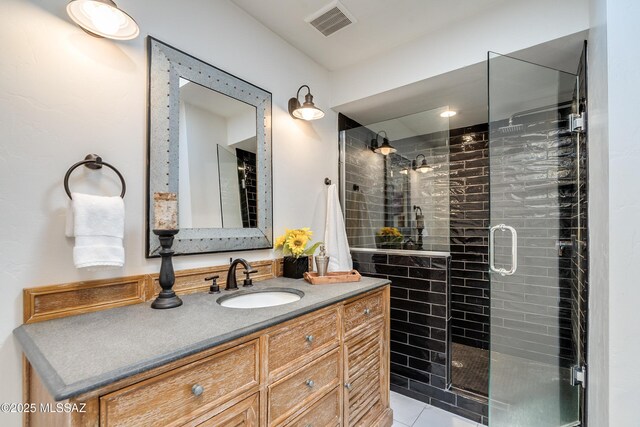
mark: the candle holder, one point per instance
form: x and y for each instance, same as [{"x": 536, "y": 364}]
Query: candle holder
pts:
[{"x": 167, "y": 297}]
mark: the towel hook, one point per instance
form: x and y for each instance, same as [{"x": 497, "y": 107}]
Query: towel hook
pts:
[
  {"x": 327, "y": 181},
  {"x": 93, "y": 161}
]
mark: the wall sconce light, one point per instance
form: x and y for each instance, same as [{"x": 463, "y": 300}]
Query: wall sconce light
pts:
[
  {"x": 385, "y": 149},
  {"x": 422, "y": 167},
  {"x": 102, "y": 18},
  {"x": 306, "y": 111}
]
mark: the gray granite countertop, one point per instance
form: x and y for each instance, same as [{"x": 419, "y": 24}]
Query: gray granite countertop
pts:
[{"x": 81, "y": 353}]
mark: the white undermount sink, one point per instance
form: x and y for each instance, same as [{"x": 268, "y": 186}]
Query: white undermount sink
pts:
[{"x": 261, "y": 298}]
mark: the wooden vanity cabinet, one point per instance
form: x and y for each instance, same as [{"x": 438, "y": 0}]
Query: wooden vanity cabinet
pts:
[{"x": 327, "y": 368}]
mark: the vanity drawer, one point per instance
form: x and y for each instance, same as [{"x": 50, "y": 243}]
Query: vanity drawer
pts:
[
  {"x": 324, "y": 413},
  {"x": 300, "y": 338},
  {"x": 294, "y": 391},
  {"x": 183, "y": 393},
  {"x": 243, "y": 414},
  {"x": 361, "y": 311}
]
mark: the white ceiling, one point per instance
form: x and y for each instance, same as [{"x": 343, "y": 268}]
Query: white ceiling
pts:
[
  {"x": 381, "y": 24},
  {"x": 465, "y": 90}
]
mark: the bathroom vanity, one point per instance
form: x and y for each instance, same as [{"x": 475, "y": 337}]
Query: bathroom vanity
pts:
[{"x": 319, "y": 361}]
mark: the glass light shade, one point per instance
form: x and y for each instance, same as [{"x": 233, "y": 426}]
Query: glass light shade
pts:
[
  {"x": 448, "y": 113},
  {"x": 103, "y": 18},
  {"x": 423, "y": 168},
  {"x": 307, "y": 112},
  {"x": 385, "y": 149}
]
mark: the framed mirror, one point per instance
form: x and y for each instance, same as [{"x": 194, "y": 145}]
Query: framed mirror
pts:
[{"x": 210, "y": 143}]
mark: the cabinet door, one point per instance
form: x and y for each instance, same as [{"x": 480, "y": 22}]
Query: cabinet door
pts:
[
  {"x": 365, "y": 376},
  {"x": 242, "y": 414}
]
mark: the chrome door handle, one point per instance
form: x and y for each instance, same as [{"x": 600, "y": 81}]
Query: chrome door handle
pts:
[{"x": 514, "y": 250}]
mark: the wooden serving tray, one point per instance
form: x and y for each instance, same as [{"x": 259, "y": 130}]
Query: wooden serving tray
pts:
[{"x": 333, "y": 277}]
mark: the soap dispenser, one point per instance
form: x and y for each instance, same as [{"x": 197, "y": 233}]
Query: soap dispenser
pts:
[{"x": 322, "y": 262}]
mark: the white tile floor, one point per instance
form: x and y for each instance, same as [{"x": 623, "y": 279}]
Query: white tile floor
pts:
[{"x": 408, "y": 412}]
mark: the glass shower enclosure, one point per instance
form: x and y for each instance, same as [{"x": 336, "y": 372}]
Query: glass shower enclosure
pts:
[
  {"x": 536, "y": 245},
  {"x": 397, "y": 199}
]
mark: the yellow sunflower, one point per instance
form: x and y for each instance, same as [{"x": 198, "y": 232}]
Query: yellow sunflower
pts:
[
  {"x": 306, "y": 231},
  {"x": 280, "y": 241},
  {"x": 297, "y": 243}
]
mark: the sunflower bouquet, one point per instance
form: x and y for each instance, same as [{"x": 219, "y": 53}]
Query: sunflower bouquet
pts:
[
  {"x": 294, "y": 243},
  {"x": 389, "y": 237}
]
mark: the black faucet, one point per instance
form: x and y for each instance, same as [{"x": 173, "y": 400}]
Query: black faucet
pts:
[{"x": 232, "y": 284}]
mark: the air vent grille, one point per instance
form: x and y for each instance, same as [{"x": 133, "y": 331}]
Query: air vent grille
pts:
[{"x": 332, "y": 20}]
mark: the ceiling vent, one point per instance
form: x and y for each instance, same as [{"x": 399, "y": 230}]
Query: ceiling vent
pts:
[{"x": 331, "y": 18}]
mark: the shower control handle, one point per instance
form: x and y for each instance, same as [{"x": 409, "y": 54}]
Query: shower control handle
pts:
[{"x": 514, "y": 250}]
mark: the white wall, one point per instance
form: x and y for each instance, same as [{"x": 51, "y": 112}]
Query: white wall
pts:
[
  {"x": 617, "y": 125},
  {"x": 64, "y": 94},
  {"x": 509, "y": 26},
  {"x": 241, "y": 127},
  {"x": 598, "y": 340},
  {"x": 614, "y": 335},
  {"x": 204, "y": 131}
]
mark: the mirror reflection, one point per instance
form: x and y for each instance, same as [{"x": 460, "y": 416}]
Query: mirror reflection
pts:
[{"x": 217, "y": 159}]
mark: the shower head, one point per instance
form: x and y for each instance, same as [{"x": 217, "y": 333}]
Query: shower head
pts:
[{"x": 511, "y": 128}]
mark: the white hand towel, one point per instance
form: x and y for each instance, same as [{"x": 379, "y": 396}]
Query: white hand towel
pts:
[
  {"x": 335, "y": 234},
  {"x": 97, "y": 223}
]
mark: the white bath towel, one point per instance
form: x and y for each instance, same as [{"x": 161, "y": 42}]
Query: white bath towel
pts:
[
  {"x": 97, "y": 223},
  {"x": 335, "y": 234}
]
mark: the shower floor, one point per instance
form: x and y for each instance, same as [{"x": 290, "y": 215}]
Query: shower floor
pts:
[
  {"x": 470, "y": 369},
  {"x": 524, "y": 392}
]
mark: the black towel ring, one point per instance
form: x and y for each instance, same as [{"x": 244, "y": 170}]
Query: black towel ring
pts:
[{"x": 93, "y": 161}]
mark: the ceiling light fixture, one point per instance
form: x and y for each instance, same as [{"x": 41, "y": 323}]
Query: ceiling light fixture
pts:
[
  {"x": 423, "y": 167},
  {"x": 306, "y": 111},
  {"x": 448, "y": 113},
  {"x": 385, "y": 149},
  {"x": 102, "y": 18}
]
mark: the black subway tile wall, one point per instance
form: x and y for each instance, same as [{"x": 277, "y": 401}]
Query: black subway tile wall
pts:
[
  {"x": 531, "y": 314},
  {"x": 384, "y": 191},
  {"x": 420, "y": 319},
  {"x": 248, "y": 192},
  {"x": 469, "y": 201}
]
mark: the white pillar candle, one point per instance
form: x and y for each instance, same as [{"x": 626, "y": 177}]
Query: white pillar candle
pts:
[{"x": 165, "y": 211}]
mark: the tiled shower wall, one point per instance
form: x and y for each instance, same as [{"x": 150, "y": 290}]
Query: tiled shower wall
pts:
[
  {"x": 364, "y": 187},
  {"x": 248, "y": 195},
  {"x": 382, "y": 191},
  {"x": 534, "y": 190},
  {"x": 469, "y": 210},
  {"x": 420, "y": 350}
]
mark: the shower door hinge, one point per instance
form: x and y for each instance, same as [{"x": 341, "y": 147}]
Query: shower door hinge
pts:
[
  {"x": 579, "y": 375},
  {"x": 576, "y": 123}
]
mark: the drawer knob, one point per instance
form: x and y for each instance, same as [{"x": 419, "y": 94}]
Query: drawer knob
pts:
[
  {"x": 197, "y": 390},
  {"x": 310, "y": 383},
  {"x": 348, "y": 386},
  {"x": 309, "y": 338},
  {"x": 367, "y": 311}
]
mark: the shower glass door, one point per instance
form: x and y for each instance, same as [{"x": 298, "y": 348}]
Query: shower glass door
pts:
[{"x": 533, "y": 197}]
